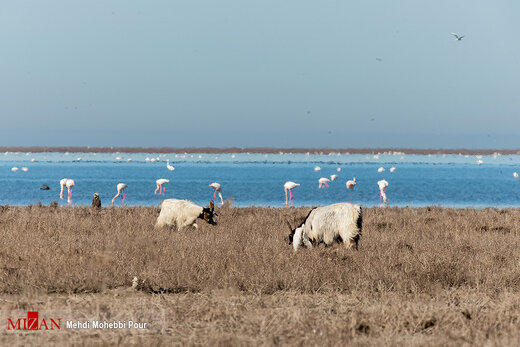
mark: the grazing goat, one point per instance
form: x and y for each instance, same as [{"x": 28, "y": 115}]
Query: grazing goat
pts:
[
  {"x": 342, "y": 221},
  {"x": 183, "y": 213}
]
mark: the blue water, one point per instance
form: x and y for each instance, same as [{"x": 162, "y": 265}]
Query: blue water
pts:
[{"x": 257, "y": 179}]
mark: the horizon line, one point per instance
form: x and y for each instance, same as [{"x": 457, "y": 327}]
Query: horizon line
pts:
[{"x": 266, "y": 150}]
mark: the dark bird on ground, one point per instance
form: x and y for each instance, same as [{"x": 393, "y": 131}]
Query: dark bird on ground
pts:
[
  {"x": 96, "y": 201},
  {"x": 45, "y": 187}
]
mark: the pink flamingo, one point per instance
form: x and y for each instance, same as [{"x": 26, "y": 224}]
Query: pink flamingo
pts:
[
  {"x": 120, "y": 189},
  {"x": 289, "y": 186},
  {"x": 351, "y": 184},
  {"x": 323, "y": 182},
  {"x": 382, "y": 190},
  {"x": 63, "y": 182},
  {"x": 160, "y": 186},
  {"x": 69, "y": 184},
  {"x": 218, "y": 189}
]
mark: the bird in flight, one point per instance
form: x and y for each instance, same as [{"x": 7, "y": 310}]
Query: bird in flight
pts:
[{"x": 457, "y": 37}]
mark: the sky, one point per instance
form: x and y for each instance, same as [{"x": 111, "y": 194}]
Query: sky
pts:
[{"x": 292, "y": 73}]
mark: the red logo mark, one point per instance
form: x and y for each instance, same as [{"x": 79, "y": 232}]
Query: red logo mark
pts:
[{"x": 32, "y": 322}]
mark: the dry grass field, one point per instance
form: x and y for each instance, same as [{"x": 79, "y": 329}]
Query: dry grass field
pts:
[{"x": 429, "y": 276}]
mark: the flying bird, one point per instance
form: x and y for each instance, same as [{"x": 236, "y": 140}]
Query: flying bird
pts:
[
  {"x": 457, "y": 37},
  {"x": 218, "y": 189},
  {"x": 120, "y": 190},
  {"x": 289, "y": 186},
  {"x": 323, "y": 182},
  {"x": 96, "y": 201},
  {"x": 160, "y": 182},
  {"x": 351, "y": 184}
]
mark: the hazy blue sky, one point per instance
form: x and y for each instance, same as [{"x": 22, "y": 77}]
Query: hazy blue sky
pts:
[{"x": 260, "y": 73}]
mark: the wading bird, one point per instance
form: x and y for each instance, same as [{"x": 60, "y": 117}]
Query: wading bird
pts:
[
  {"x": 289, "y": 186},
  {"x": 382, "y": 190},
  {"x": 170, "y": 167},
  {"x": 14, "y": 169},
  {"x": 63, "y": 182},
  {"x": 317, "y": 168},
  {"x": 69, "y": 184},
  {"x": 333, "y": 177},
  {"x": 392, "y": 169},
  {"x": 120, "y": 190},
  {"x": 381, "y": 169},
  {"x": 160, "y": 182},
  {"x": 515, "y": 174},
  {"x": 218, "y": 189},
  {"x": 351, "y": 184},
  {"x": 323, "y": 182}
]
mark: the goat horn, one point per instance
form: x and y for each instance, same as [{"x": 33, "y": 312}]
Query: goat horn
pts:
[{"x": 289, "y": 225}]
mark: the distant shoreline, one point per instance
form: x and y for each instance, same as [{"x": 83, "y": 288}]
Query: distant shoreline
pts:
[{"x": 324, "y": 150}]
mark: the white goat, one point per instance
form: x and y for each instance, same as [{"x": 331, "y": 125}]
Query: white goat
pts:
[
  {"x": 341, "y": 221},
  {"x": 183, "y": 213}
]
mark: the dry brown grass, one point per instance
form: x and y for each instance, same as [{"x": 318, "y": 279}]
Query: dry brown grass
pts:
[{"x": 429, "y": 276}]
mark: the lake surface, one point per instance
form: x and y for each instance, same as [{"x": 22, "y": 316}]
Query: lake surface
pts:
[{"x": 257, "y": 179}]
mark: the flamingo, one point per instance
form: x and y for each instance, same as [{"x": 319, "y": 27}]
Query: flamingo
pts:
[
  {"x": 323, "y": 182},
  {"x": 381, "y": 169},
  {"x": 218, "y": 189},
  {"x": 392, "y": 169},
  {"x": 14, "y": 169},
  {"x": 382, "y": 190},
  {"x": 515, "y": 174},
  {"x": 333, "y": 177},
  {"x": 120, "y": 189},
  {"x": 69, "y": 184},
  {"x": 168, "y": 166},
  {"x": 338, "y": 169},
  {"x": 25, "y": 169},
  {"x": 289, "y": 186},
  {"x": 160, "y": 187},
  {"x": 63, "y": 182},
  {"x": 480, "y": 162},
  {"x": 317, "y": 168},
  {"x": 351, "y": 184}
]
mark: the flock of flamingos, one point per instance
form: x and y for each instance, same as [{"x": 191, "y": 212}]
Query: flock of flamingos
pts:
[{"x": 217, "y": 188}]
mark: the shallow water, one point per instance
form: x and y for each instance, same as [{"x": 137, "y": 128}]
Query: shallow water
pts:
[{"x": 257, "y": 179}]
